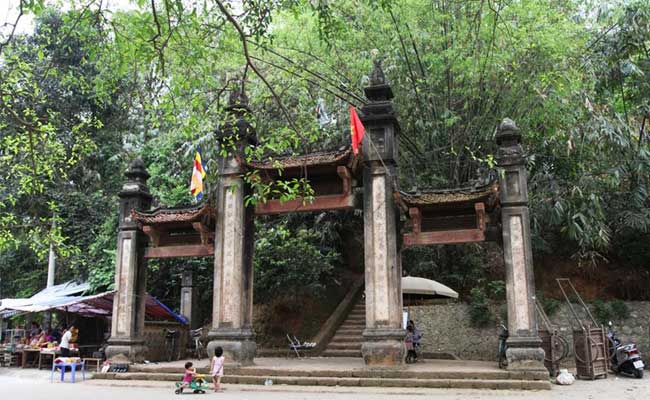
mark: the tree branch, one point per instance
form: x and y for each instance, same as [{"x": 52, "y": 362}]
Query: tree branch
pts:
[
  {"x": 249, "y": 61},
  {"x": 13, "y": 26}
]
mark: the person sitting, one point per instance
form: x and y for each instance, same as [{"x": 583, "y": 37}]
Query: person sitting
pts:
[
  {"x": 190, "y": 373},
  {"x": 56, "y": 334},
  {"x": 35, "y": 330},
  {"x": 38, "y": 340}
]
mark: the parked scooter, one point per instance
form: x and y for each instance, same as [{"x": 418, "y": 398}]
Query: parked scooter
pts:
[{"x": 624, "y": 357}]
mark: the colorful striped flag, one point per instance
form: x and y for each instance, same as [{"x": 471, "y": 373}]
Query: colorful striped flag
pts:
[{"x": 198, "y": 173}]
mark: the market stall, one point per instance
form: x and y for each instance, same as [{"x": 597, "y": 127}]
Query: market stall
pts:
[{"x": 90, "y": 313}]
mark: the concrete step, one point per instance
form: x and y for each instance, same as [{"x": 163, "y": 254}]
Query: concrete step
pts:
[
  {"x": 348, "y": 381},
  {"x": 355, "y": 373},
  {"x": 344, "y": 346},
  {"x": 347, "y": 338},
  {"x": 342, "y": 353},
  {"x": 342, "y": 336},
  {"x": 353, "y": 324},
  {"x": 347, "y": 341},
  {"x": 352, "y": 330},
  {"x": 352, "y": 327},
  {"x": 354, "y": 321}
]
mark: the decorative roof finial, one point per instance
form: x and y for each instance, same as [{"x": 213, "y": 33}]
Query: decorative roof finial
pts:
[
  {"x": 378, "y": 89},
  {"x": 508, "y": 133},
  {"x": 137, "y": 171},
  {"x": 377, "y": 76},
  {"x": 238, "y": 101}
]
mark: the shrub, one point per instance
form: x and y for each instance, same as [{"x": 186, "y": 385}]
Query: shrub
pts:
[
  {"x": 549, "y": 305},
  {"x": 602, "y": 312},
  {"x": 620, "y": 310},
  {"x": 479, "y": 312},
  {"x": 292, "y": 263},
  {"x": 497, "y": 289}
]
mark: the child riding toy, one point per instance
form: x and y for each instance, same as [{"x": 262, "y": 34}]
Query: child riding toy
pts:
[{"x": 198, "y": 385}]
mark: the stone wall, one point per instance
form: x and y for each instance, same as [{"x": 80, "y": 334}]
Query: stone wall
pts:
[{"x": 447, "y": 328}]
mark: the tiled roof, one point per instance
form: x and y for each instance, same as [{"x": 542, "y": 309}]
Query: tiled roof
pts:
[
  {"x": 165, "y": 215},
  {"x": 339, "y": 157},
  {"x": 485, "y": 193}
]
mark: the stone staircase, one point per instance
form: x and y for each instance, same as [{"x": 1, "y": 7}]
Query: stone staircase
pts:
[
  {"x": 347, "y": 340},
  {"x": 460, "y": 377}
]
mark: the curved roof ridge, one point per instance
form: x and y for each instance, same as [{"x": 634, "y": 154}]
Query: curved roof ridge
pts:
[
  {"x": 173, "y": 214},
  {"x": 481, "y": 190},
  {"x": 314, "y": 158}
]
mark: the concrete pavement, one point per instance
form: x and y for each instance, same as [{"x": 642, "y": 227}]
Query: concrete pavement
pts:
[{"x": 35, "y": 385}]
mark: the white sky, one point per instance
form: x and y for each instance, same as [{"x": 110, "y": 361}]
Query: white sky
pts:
[{"x": 9, "y": 12}]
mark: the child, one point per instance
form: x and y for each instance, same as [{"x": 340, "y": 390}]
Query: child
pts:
[
  {"x": 216, "y": 368},
  {"x": 189, "y": 374},
  {"x": 410, "y": 352}
]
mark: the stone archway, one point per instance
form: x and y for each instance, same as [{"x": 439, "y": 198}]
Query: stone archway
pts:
[{"x": 230, "y": 239}]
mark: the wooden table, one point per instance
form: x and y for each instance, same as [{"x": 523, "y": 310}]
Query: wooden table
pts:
[
  {"x": 96, "y": 361},
  {"x": 47, "y": 352},
  {"x": 26, "y": 355}
]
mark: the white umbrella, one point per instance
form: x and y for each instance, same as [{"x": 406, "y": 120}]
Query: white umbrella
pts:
[{"x": 421, "y": 287}]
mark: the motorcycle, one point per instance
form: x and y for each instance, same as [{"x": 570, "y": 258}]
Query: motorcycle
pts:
[{"x": 624, "y": 358}]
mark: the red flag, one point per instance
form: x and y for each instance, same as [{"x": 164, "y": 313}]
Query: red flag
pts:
[{"x": 356, "y": 130}]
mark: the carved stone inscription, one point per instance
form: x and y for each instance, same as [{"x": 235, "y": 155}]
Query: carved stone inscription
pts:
[
  {"x": 519, "y": 279},
  {"x": 380, "y": 261},
  {"x": 229, "y": 257},
  {"x": 125, "y": 270},
  {"x": 512, "y": 183}
]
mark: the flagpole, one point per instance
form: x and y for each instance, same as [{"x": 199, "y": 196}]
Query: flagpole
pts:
[{"x": 51, "y": 269}]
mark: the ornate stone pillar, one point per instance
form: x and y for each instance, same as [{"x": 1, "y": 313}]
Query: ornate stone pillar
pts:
[
  {"x": 127, "y": 326},
  {"x": 383, "y": 338},
  {"x": 232, "y": 309},
  {"x": 188, "y": 298},
  {"x": 524, "y": 351}
]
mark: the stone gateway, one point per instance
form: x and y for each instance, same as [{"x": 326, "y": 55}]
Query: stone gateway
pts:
[{"x": 497, "y": 211}]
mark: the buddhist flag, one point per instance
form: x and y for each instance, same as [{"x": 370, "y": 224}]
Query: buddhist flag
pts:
[
  {"x": 198, "y": 173},
  {"x": 356, "y": 130}
]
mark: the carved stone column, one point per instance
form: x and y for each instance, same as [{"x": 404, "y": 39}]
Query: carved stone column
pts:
[
  {"x": 188, "y": 298},
  {"x": 383, "y": 338},
  {"x": 130, "y": 270},
  {"x": 524, "y": 351},
  {"x": 232, "y": 310}
]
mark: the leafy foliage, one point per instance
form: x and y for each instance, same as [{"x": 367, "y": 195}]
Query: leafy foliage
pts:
[
  {"x": 92, "y": 87},
  {"x": 479, "y": 310},
  {"x": 615, "y": 310},
  {"x": 549, "y": 305},
  {"x": 291, "y": 264}
]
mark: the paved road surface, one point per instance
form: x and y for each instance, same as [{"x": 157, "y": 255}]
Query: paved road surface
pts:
[{"x": 16, "y": 384}]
